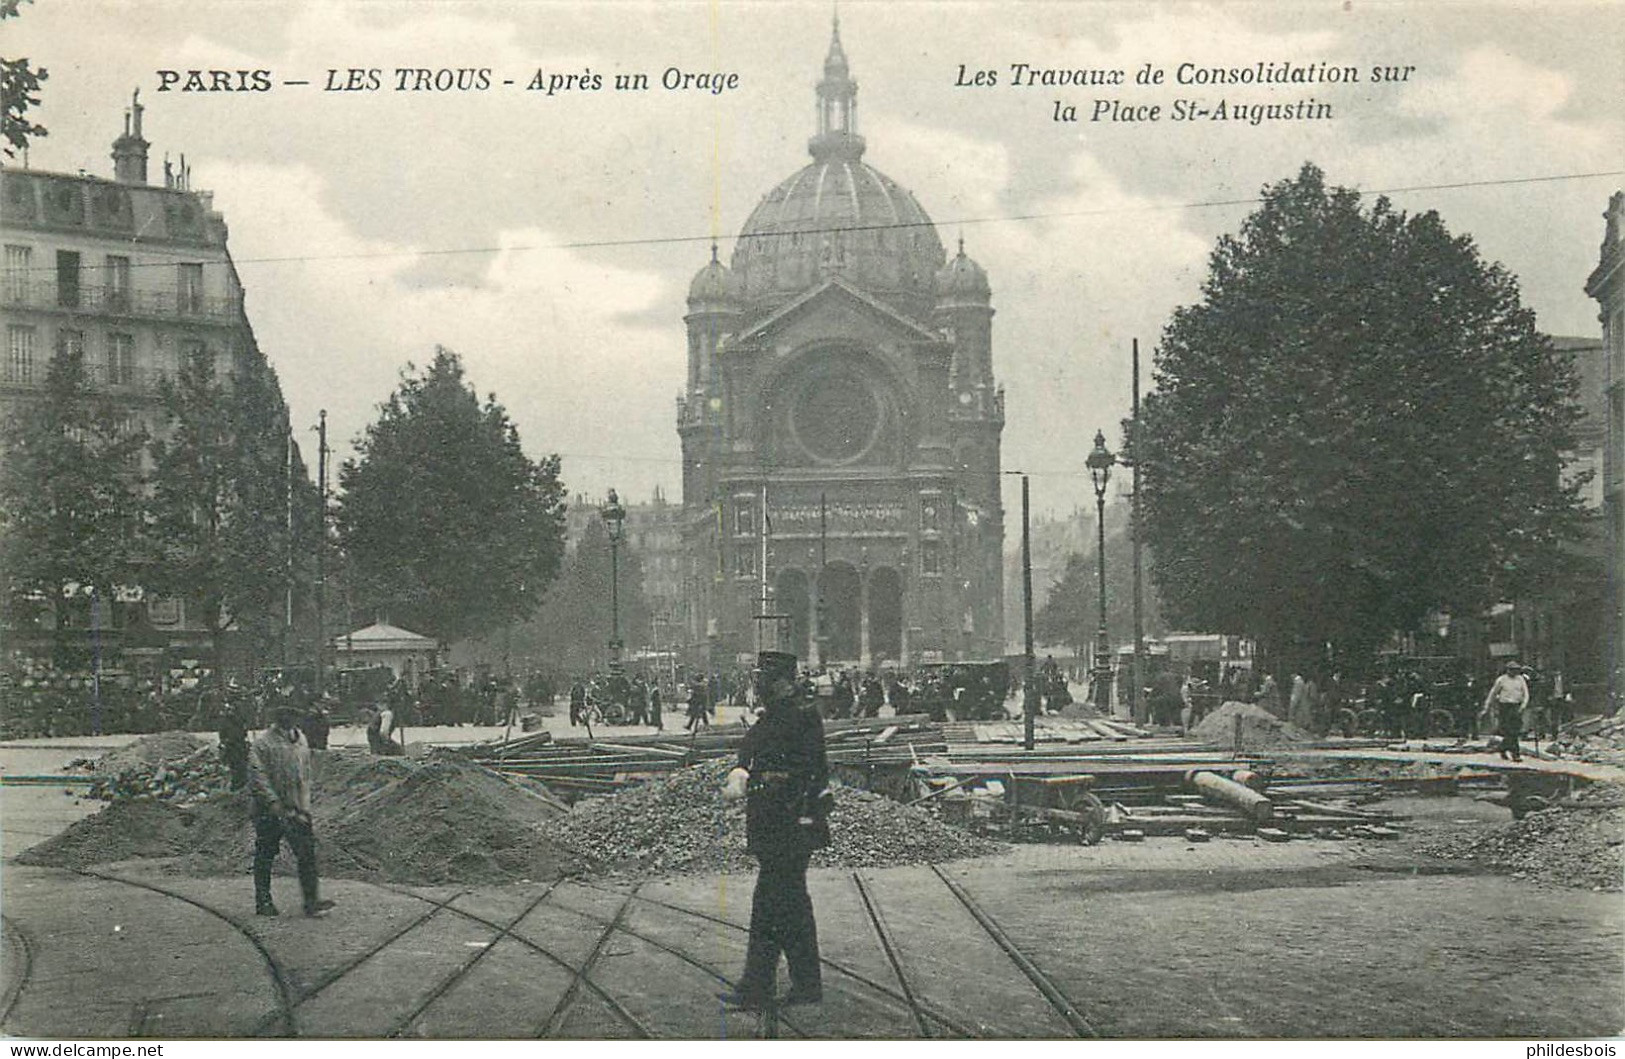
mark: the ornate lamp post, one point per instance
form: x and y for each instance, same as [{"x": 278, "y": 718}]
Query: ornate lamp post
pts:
[
  {"x": 615, "y": 522},
  {"x": 1100, "y": 463}
]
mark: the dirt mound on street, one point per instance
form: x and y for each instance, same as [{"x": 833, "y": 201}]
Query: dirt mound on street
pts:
[
  {"x": 1259, "y": 727},
  {"x": 1581, "y": 848},
  {"x": 157, "y": 749},
  {"x": 380, "y": 819},
  {"x": 680, "y": 823},
  {"x": 448, "y": 822},
  {"x": 141, "y": 827}
]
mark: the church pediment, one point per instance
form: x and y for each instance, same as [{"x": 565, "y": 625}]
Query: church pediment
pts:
[{"x": 813, "y": 313}]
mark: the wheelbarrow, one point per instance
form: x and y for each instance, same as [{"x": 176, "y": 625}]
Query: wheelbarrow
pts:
[{"x": 1059, "y": 804}]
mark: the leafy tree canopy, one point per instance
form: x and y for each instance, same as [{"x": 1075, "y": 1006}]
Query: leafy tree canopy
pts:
[
  {"x": 70, "y": 503},
  {"x": 19, "y": 92},
  {"x": 571, "y": 632},
  {"x": 220, "y": 484},
  {"x": 1357, "y": 423},
  {"x": 450, "y": 529}
]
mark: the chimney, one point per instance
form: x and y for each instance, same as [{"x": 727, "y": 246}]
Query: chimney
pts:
[{"x": 130, "y": 150}]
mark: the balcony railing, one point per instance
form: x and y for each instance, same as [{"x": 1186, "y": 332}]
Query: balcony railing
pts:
[
  {"x": 114, "y": 301},
  {"x": 100, "y": 377}
]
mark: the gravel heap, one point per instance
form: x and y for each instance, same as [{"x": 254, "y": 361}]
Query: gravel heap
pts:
[
  {"x": 1581, "y": 848},
  {"x": 679, "y": 823},
  {"x": 1605, "y": 745},
  {"x": 198, "y": 776},
  {"x": 380, "y": 819},
  {"x": 1259, "y": 728}
]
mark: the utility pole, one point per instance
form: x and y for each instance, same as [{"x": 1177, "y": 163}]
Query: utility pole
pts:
[
  {"x": 1137, "y": 671},
  {"x": 321, "y": 550},
  {"x": 287, "y": 610},
  {"x": 821, "y": 633},
  {"x": 1029, "y": 690}
]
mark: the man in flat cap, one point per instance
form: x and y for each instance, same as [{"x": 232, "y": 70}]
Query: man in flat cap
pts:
[
  {"x": 279, "y": 781},
  {"x": 784, "y": 776},
  {"x": 1508, "y": 697}
]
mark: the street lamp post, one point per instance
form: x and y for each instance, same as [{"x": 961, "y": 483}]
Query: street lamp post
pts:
[
  {"x": 615, "y": 523},
  {"x": 1100, "y": 462}
]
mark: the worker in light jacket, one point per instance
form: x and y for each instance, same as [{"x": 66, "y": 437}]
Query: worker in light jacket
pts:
[
  {"x": 279, "y": 783},
  {"x": 783, "y": 774},
  {"x": 1507, "y": 698}
]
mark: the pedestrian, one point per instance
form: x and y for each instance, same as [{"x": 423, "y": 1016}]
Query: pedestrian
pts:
[
  {"x": 1507, "y": 698},
  {"x": 699, "y": 712},
  {"x": 784, "y": 775},
  {"x": 656, "y": 717},
  {"x": 380, "y": 732},
  {"x": 578, "y": 701},
  {"x": 234, "y": 745},
  {"x": 279, "y": 781},
  {"x": 316, "y": 726}
]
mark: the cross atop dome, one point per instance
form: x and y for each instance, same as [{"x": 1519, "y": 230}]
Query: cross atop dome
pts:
[{"x": 837, "y": 137}]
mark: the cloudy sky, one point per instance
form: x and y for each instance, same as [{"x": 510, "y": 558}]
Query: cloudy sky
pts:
[{"x": 550, "y": 239}]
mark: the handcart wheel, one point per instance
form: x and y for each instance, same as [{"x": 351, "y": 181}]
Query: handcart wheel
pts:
[{"x": 1094, "y": 823}]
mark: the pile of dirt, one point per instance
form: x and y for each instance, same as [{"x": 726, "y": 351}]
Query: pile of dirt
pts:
[
  {"x": 680, "y": 823},
  {"x": 450, "y": 822},
  {"x": 1581, "y": 848},
  {"x": 1258, "y": 728},
  {"x": 159, "y": 748},
  {"x": 379, "y": 819},
  {"x": 121, "y": 831}
]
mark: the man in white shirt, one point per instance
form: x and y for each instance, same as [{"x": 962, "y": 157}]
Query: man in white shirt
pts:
[{"x": 1507, "y": 698}]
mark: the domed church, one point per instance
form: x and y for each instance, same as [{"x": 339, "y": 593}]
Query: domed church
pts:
[{"x": 840, "y": 424}]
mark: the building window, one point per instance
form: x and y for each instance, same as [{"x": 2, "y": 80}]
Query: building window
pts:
[
  {"x": 120, "y": 359},
  {"x": 67, "y": 279},
  {"x": 189, "y": 288},
  {"x": 930, "y": 517},
  {"x": 19, "y": 259},
  {"x": 118, "y": 282},
  {"x": 192, "y": 350},
  {"x": 744, "y": 519},
  {"x": 744, "y": 561},
  {"x": 930, "y": 558},
  {"x": 72, "y": 344},
  {"x": 19, "y": 354}
]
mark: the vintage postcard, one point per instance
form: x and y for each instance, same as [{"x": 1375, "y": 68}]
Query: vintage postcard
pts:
[{"x": 1059, "y": 520}]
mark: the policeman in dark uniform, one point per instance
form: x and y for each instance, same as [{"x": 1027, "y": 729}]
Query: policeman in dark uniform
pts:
[{"x": 786, "y": 818}]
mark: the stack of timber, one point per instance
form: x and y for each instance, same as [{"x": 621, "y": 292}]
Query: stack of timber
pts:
[
  {"x": 1148, "y": 795},
  {"x": 1048, "y": 731},
  {"x": 609, "y": 760}
]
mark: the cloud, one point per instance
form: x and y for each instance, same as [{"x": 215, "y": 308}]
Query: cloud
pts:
[{"x": 544, "y": 328}]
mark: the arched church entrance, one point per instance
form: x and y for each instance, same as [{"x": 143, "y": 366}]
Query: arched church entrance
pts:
[
  {"x": 885, "y": 615},
  {"x": 792, "y": 599},
  {"x": 841, "y": 593}
]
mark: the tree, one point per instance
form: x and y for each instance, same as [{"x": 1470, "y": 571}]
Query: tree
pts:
[
  {"x": 450, "y": 529},
  {"x": 1071, "y": 611},
  {"x": 571, "y": 632},
  {"x": 19, "y": 90},
  {"x": 1358, "y": 423},
  {"x": 220, "y": 483},
  {"x": 71, "y": 511}
]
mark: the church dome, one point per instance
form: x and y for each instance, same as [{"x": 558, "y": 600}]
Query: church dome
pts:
[
  {"x": 838, "y": 216},
  {"x": 963, "y": 279},
  {"x": 713, "y": 283}
]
